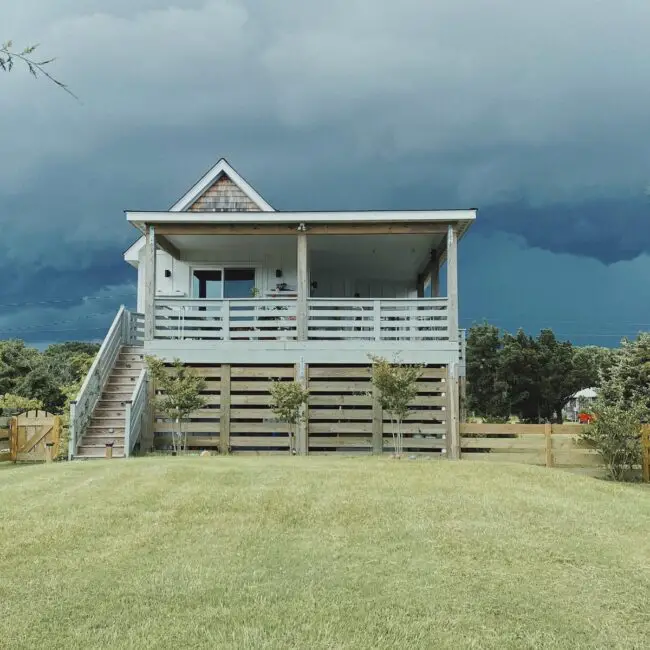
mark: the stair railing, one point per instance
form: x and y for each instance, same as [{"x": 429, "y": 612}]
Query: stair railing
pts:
[
  {"x": 135, "y": 414},
  {"x": 81, "y": 409}
]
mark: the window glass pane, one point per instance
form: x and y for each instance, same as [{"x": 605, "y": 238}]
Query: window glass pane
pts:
[
  {"x": 239, "y": 283},
  {"x": 206, "y": 284}
]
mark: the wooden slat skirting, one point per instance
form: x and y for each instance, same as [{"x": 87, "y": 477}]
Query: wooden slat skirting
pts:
[{"x": 342, "y": 414}]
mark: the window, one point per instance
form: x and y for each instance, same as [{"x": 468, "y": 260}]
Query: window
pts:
[
  {"x": 238, "y": 283},
  {"x": 226, "y": 283},
  {"x": 207, "y": 284}
]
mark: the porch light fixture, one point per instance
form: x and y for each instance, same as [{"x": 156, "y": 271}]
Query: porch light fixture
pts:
[
  {"x": 168, "y": 273},
  {"x": 278, "y": 273}
]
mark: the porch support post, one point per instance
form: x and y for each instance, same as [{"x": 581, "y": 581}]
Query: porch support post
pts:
[
  {"x": 435, "y": 280},
  {"x": 150, "y": 285},
  {"x": 420, "y": 285},
  {"x": 430, "y": 275},
  {"x": 302, "y": 329},
  {"x": 224, "y": 415},
  {"x": 453, "y": 429},
  {"x": 302, "y": 432},
  {"x": 452, "y": 283}
]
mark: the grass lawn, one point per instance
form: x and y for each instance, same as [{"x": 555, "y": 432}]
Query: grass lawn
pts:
[{"x": 309, "y": 553}]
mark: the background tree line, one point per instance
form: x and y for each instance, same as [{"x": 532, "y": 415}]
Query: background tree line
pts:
[
  {"x": 531, "y": 378},
  {"x": 48, "y": 380}
]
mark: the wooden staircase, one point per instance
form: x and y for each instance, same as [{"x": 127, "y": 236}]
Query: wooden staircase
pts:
[{"x": 107, "y": 423}]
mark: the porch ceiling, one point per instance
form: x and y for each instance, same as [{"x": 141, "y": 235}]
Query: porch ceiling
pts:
[{"x": 380, "y": 256}]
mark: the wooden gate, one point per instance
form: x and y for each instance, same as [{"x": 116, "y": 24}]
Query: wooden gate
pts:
[
  {"x": 29, "y": 434},
  {"x": 4, "y": 439}
]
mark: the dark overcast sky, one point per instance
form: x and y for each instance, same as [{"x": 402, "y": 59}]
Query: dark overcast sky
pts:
[{"x": 538, "y": 114}]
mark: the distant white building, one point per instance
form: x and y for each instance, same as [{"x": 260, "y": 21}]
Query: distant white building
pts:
[{"x": 579, "y": 401}]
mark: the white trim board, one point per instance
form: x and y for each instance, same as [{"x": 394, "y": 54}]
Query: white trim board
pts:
[{"x": 139, "y": 219}]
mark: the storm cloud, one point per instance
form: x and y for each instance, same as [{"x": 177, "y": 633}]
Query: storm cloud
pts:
[{"x": 534, "y": 113}]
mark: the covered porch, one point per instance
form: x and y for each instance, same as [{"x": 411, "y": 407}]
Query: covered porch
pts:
[{"x": 342, "y": 284}]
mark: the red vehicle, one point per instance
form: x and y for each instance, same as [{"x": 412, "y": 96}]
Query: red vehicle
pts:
[{"x": 585, "y": 418}]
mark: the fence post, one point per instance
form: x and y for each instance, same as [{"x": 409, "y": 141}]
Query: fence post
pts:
[
  {"x": 453, "y": 433},
  {"x": 302, "y": 376},
  {"x": 224, "y": 416},
  {"x": 377, "y": 423},
  {"x": 127, "y": 429},
  {"x": 645, "y": 442},
  {"x": 72, "y": 431},
  {"x": 13, "y": 438},
  {"x": 548, "y": 435}
]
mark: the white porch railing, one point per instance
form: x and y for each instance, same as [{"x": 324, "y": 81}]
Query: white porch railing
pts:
[
  {"x": 382, "y": 319},
  {"x": 226, "y": 320},
  {"x": 123, "y": 331},
  {"x": 134, "y": 415}
]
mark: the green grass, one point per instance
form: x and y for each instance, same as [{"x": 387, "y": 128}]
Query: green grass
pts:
[{"x": 275, "y": 552}]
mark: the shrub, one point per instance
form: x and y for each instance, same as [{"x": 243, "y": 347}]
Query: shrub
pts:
[
  {"x": 397, "y": 387},
  {"x": 616, "y": 433},
  {"x": 180, "y": 395},
  {"x": 287, "y": 401}
]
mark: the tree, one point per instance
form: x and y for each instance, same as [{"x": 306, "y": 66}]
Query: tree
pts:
[
  {"x": 179, "y": 395},
  {"x": 16, "y": 361},
  {"x": 69, "y": 362},
  {"x": 487, "y": 391},
  {"x": 9, "y": 56},
  {"x": 19, "y": 404},
  {"x": 287, "y": 401},
  {"x": 627, "y": 381},
  {"x": 41, "y": 385},
  {"x": 520, "y": 369},
  {"x": 396, "y": 385},
  {"x": 591, "y": 361},
  {"x": 532, "y": 378}
]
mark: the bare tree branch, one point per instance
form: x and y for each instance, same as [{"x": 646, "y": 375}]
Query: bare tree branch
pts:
[{"x": 8, "y": 56}]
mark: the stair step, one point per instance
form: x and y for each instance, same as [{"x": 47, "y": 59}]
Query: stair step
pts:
[
  {"x": 117, "y": 432},
  {"x": 130, "y": 357},
  {"x": 108, "y": 422},
  {"x": 95, "y": 440},
  {"x": 102, "y": 437},
  {"x": 109, "y": 412},
  {"x": 126, "y": 372},
  {"x": 97, "y": 453},
  {"x": 100, "y": 441},
  {"x": 112, "y": 404},
  {"x": 128, "y": 364},
  {"x": 126, "y": 385},
  {"x": 116, "y": 393}
]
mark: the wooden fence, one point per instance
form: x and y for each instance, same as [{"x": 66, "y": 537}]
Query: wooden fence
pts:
[
  {"x": 549, "y": 445},
  {"x": 5, "y": 454}
]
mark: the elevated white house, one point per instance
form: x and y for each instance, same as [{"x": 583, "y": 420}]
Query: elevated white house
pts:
[{"x": 239, "y": 290}]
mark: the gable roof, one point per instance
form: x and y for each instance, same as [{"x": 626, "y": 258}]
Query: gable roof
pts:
[{"x": 222, "y": 168}]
